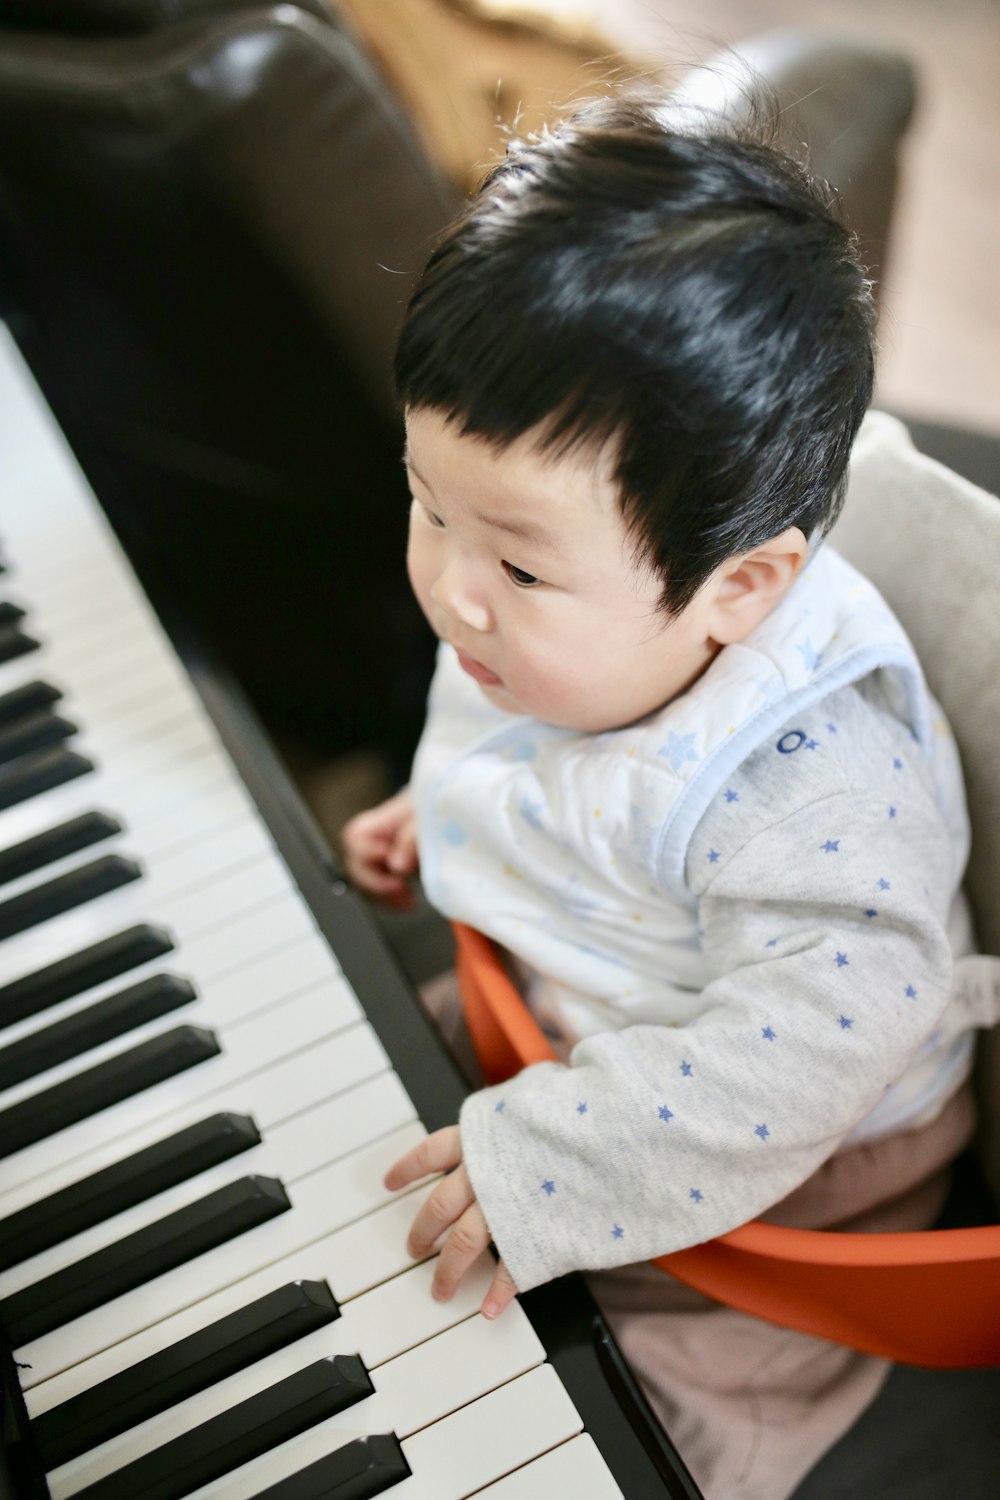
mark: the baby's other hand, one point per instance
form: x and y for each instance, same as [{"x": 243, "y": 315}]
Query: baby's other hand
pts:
[
  {"x": 451, "y": 1209},
  {"x": 380, "y": 850}
]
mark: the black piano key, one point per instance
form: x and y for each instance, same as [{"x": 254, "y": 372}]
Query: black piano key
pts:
[
  {"x": 33, "y": 732},
  {"x": 242, "y": 1433},
  {"x": 125, "y": 1183},
  {"x": 139, "y": 1257},
  {"x": 10, "y": 613},
  {"x": 52, "y": 897},
  {"x": 97, "y": 1088},
  {"x": 366, "y": 1467},
  {"x": 15, "y": 642},
  {"x": 191, "y": 1365},
  {"x": 82, "y": 970},
  {"x": 97, "y": 1023},
  {"x": 37, "y": 773},
  {"x": 26, "y": 699},
  {"x": 56, "y": 843}
]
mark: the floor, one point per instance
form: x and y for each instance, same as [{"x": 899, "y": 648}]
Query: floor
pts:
[{"x": 940, "y": 329}]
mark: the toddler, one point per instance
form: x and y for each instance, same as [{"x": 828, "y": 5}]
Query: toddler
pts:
[{"x": 680, "y": 761}]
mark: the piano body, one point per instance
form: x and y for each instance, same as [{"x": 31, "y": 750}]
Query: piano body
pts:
[{"x": 207, "y": 1061}]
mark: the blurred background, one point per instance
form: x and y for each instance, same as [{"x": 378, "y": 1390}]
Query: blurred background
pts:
[{"x": 940, "y": 332}]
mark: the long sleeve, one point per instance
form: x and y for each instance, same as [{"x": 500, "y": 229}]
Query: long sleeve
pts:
[{"x": 823, "y": 882}]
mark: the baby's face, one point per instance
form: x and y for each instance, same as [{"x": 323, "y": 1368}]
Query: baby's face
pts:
[{"x": 522, "y": 563}]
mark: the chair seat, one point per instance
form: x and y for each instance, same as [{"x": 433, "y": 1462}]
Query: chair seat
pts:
[{"x": 925, "y": 1298}]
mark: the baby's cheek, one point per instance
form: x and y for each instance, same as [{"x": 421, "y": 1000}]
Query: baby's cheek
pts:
[
  {"x": 418, "y": 572},
  {"x": 559, "y": 693}
]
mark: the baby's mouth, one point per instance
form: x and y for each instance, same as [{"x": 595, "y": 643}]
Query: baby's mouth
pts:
[{"x": 476, "y": 670}]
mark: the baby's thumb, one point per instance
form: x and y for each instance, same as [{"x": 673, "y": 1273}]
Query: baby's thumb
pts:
[{"x": 402, "y": 857}]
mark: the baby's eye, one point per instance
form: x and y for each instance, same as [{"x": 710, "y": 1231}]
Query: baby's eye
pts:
[
  {"x": 519, "y": 576},
  {"x": 434, "y": 519}
]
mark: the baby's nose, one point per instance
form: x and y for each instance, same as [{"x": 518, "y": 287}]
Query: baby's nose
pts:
[{"x": 454, "y": 594}]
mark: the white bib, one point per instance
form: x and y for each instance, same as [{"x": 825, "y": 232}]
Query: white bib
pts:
[{"x": 569, "y": 849}]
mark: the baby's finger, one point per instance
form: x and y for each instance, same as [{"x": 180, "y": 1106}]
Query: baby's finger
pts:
[
  {"x": 501, "y": 1292},
  {"x": 402, "y": 857},
  {"x": 372, "y": 876},
  {"x": 466, "y": 1242},
  {"x": 364, "y": 835},
  {"x": 438, "y": 1152},
  {"x": 448, "y": 1202}
]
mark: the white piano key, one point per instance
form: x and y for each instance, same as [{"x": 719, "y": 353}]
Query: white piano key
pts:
[
  {"x": 108, "y": 736},
  {"x": 131, "y": 787},
  {"x": 397, "y": 1313},
  {"x": 327, "y": 1200},
  {"x": 454, "y": 1357},
  {"x": 303, "y": 1024},
  {"x": 115, "y": 699},
  {"x": 134, "y": 803},
  {"x": 64, "y": 590},
  {"x": 346, "y": 1060},
  {"x": 291, "y": 1150},
  {"x": 482, "y": 1442},
  {"x": 90, "y": 663},
  {"x": 95, "y": 640},
  {"x": 218, "y": 808},
  {"x": 575, "y": 1468},
  {"x": 111, "y": 724},
  {"x": 187, "y": 913},
  {"x": 72, "y": 594},
  {"x": 221, "y": 957},
  {"x": 439, "y": 1376},
  {"x": 168, "y": 881},
  {"x": 363, "y": 1255},
  {"x": 228, "y": 948},
  {"x": 307, "y": 962},
  {"x": 127, "y": 709},
  {"x": 61, "y": 595},
  {"x": 278, "y": 1100},
  {"x": 418, "y": 1388}
]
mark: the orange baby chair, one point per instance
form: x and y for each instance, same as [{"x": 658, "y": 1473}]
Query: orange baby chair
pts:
[{"x": 927, "y": 1298}]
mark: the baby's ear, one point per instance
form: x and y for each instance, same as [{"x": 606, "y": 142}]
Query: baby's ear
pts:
[{"x": 746, "y": 588}]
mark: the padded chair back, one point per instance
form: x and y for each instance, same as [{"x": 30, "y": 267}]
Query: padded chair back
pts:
[
  {"x": 849, "y": 102},
  {"x": 931, "y": 542},
  {"x": 207, "y": 235}
]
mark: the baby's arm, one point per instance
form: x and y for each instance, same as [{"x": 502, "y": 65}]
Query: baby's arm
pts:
[
  {"x": 380, "y": 850},
  {"x": 832, "y": 969}
]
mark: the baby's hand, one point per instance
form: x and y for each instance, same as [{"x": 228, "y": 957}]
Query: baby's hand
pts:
[
  {"x": 452, "y": 1203},
  {"x": 380, "y": 850}
]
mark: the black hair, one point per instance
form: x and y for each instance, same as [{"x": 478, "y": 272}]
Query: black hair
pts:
[{"x": 689, "y": 296}]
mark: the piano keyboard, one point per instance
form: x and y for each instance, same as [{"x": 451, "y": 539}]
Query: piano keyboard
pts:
[{"x": 207, "y": 1062}]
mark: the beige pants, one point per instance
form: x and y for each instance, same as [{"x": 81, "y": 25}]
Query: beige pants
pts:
[{"x": 752, "y": 1407}]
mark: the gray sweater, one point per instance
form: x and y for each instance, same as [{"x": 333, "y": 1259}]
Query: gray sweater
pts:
[{"x": 824, "y": 877}]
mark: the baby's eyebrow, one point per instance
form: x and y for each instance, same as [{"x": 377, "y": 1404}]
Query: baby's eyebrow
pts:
[{"x": 523, "y": 530}]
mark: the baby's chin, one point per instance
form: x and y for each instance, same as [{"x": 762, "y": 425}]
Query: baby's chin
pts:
[
  {"x": 559, "y": 717},
  {"x": 502, "y": 698}
]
